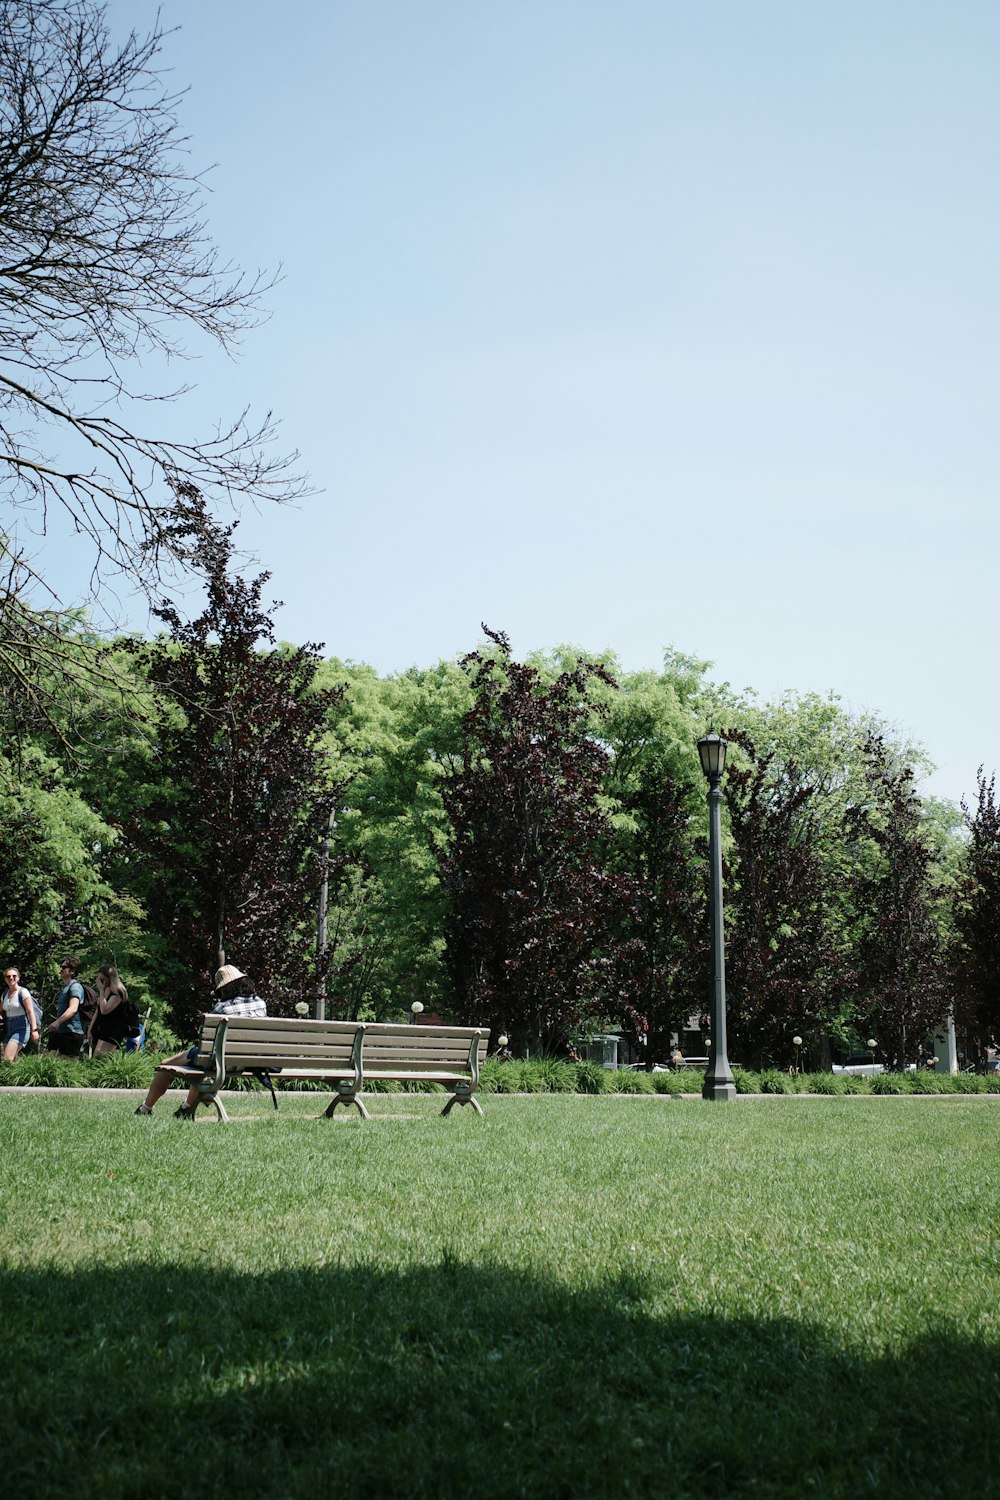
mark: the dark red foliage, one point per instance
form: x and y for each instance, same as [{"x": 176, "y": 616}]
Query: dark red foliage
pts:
[
  {"x": 530, "y": 904},
  {"x": 663, "y": 956},
  {"x": 787, "y": 967},
  {"x": 977, "y": 914},
  {"x": 903, "y": 991},
  {"x": 232, "y": 832}
]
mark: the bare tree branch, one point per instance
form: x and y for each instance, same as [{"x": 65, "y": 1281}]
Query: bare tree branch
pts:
[{"x": 104, "y": 262}]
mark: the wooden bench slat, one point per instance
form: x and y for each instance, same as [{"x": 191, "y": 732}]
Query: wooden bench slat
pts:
[
  {"x": 459, "y": 1045},
  {"x": 240, "y": 1056},
  {"x": 406, "y": 1028},
  {"x": 394, "y": 1075},
  {"x": 406, "y": 1066},
  {"x": 401, "y": 1059}
]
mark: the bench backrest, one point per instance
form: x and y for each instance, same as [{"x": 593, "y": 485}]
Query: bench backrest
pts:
[
  {"x": 415, "y": 1050},
  {"x": 261, "y": 1042}
]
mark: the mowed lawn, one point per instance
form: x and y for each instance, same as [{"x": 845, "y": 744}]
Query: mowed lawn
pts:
[{"x": 572, "y": 1296}]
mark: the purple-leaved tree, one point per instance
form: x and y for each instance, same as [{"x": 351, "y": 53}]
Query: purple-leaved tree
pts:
[
  {"x": 788, "y": 962},
  {"x": 903, "y": 991},
  {"x": 230, "y": 837},
  {"x": 531, "y": 905},
  {"x": 977, "y": 914}
]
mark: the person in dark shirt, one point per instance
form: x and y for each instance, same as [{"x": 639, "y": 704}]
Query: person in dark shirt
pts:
[{"x": 112, "y": 1019}]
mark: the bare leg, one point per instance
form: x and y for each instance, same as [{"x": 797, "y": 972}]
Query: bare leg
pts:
[
  {"x": 11, "y": 1049},
  {"x": 162, "y": 1081}
]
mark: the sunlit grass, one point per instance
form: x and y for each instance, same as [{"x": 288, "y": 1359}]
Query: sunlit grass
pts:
[{"x": 570, "y": 1296}]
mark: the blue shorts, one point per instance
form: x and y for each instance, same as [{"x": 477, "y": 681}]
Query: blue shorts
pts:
[
  {"x": 134, "y": 1043},
  {"x": 17, "y": 1029}
]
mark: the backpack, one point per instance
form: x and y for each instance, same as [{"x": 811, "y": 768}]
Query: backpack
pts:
[
  {"x": 87, "y": 1008},
  {"x": 32, "y": 1007},
  {"x": 133, "y": 1021}
]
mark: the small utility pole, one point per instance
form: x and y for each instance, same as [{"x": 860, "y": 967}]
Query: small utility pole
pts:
[{"x": 324, "y": 892}]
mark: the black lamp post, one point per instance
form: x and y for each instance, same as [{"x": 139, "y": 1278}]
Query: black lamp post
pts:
[{"x": 718, "y": 1075}]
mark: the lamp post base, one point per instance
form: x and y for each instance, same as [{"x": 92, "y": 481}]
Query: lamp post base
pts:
[{"x": 723, "y": 1091}]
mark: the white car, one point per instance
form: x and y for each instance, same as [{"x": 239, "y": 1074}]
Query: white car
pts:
[{"x": 862, "y": 1063}]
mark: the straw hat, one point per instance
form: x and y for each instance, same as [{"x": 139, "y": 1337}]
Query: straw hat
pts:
[{"x": 227, "y": 974}]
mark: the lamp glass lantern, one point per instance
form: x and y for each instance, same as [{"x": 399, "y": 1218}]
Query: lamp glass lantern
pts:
[{"x": 712, "y": 752}]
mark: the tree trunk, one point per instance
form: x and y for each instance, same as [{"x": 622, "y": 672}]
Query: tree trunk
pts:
[{"x": 220, "y": 935}]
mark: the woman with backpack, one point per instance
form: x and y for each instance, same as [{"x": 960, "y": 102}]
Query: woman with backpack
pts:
[
  {"x": 20, "y": 1021},
  {"x": 66, "y": 1032},
  {"x": 115, "y": 1015}
]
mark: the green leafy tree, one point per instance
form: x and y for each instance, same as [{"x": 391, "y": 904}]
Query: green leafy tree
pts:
[
  {"x": 392, "y": 741},
  {"x": 56, "y": 897}
]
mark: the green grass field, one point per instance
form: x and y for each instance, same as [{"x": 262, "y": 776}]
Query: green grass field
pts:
[{"x": 573, "y": 1296}]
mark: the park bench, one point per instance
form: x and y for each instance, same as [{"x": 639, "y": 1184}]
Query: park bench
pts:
[{"x": 345, "y": 1054}]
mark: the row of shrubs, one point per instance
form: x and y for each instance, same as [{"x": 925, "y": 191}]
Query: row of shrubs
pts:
[
  {"x": 134, "y": 1070},
  {"x": 550, "y": 1076},
  {"x": 539, "y": 1076},
  {"x": 923, "y": 1081}
]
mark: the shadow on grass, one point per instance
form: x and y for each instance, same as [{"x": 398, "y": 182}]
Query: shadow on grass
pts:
[{"x": 463, "y": 1380}]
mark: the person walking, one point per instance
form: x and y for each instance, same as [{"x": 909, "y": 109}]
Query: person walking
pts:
[
  {"x": 114, "y": 1017},
  {"x": 66, "y": 1031},
  {"x": 20, "y": 1020},
  {"x": 235, "y": 996}
]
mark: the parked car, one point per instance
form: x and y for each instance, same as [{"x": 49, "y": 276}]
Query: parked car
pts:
[{"x": 861, "y": 1063}]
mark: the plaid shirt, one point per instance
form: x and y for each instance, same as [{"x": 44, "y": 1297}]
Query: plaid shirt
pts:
[{"x": 243, "y": 1005}]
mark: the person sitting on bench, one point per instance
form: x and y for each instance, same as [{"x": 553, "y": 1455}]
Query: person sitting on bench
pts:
[{"x": 235, "y": 996}]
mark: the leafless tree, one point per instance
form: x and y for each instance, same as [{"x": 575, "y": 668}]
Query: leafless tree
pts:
[{"x": 105, "y": 269}]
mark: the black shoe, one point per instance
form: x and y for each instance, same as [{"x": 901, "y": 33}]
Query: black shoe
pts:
[
  {"x": 186, "y": 1112},
  {"x": 142, "y": 1110}
]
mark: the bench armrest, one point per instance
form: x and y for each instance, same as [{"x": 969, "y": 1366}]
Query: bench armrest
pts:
[
  {"x": 474, "y": 1046},
  {"x": 215, "y": 1073}
]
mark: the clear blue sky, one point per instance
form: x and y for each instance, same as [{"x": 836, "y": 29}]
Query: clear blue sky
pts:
[{"x": 625, "y": 324}]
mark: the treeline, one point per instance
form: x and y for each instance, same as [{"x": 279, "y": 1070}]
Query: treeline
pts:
[
  {"x": 516, "y": 843},
  {"x": 521, "y": 843}
]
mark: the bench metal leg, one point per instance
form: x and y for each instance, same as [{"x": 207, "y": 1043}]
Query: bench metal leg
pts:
[
  {"x": 220, "y": 1108},
  {"x": 346, "y": 1095},
  {"x": 463, "y": 1095}
]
